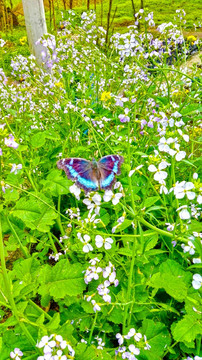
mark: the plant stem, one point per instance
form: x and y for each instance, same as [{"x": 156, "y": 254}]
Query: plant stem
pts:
[{"x": 92, "y": 328}]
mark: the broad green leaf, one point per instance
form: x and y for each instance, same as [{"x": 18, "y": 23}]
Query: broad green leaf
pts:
[
  {"x": 56, "y": 184},
  {"x": 116, "y": 316},
  {"x": 38, "y": 139},
  {"x": 11, "y": 195},
  {"x": 173, "y": 279},
  {"x": 186, "y": 329},
  {"x": 35, "y": 214},
  {"x": 63, "y": 279},
  {"x": 158, "y": 338}
]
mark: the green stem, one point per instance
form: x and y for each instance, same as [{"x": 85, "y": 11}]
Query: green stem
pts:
[
  {"x": 52, "y": 243},
  {"x": 9, "y": 293},
  {"x": 150, "y": 226},
  {"x": 92, "y": 328},
  {"x": 40, "y": 309},
  {"x": 59, "y": 217}
]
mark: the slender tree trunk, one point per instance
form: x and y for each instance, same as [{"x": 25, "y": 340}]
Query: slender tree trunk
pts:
[
  {"x": 53, "y": 8},
  {"x": 101, "y": 12},
  {"x": 108, "y": 21},
  {"x": 35, "y": 22},
  {"x": 71, "y": 4},
  {"x": 141, "y": 4},
  {"x": 50, "y": 13},
  {"x": 64, "y": 4},
  {"x": 95, "y": 5},
  {"x": 88, "y": 4},
  {"x": 3, "y": 15},
  {"x": 111, "y": 23},
  {"x": 133, "y": 6}
]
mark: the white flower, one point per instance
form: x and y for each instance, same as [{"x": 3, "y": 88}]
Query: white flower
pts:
[
  {"x": 62, "y": 343},
  {"x": 196, "y": 260},
  {"x": 134, "y": 350},
  {"x": 120, "y": 338},
  {"x": 108, "y": 195},
  {"x": 75, "y": 190},
  {"x": 199, "y": 199},
  {"x": 16, "y": 354},
  {"x": 131, "y": 172},
  {"x": 85, "y": 240},
  {"x": 195, "y": 176},
  {"x": 197, "y": 281},
  {"x": 47, "y": 344},
  {"x": 96, "y": 307},
  {"x": 189, "y": 248},
  {"x": 184, "y": 188},
  {"x": 184, "y": 213},
  {"x": 15, "y": 168},
  {"x": 93, "y": 203},
  {"x": 147, "y": 346},
  {"x": 179, "y": 154},
  {"x": 163, "y": 188},
  {"x": 59, "y": 356},
  {"x": 159, "y": 174},
  {"x": 133, "y": 333},
  {"x": 99, "y": 241},
  {"x": 109, "y": 271}
]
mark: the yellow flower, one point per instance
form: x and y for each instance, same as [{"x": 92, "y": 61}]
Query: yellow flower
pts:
[
  {"x": 59, "y": 84},
  {"x": 23, "y": 40},
  {"x": 105, "y": 96},
  {"x": 191, "y": 38}
]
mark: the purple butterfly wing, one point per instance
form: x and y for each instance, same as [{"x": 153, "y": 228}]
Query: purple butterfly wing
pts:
[
  {"x": 109, "y": 166},
  {"x": 80, "y": 171}
]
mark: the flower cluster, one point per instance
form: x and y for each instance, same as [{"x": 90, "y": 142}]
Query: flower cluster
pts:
[
  {"x": 130, "y": 351},
  {"x": 55, "y": 348},
  {"x": 108, "y": 274}
]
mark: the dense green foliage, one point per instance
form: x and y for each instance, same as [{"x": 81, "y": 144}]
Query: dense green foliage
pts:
[{"x": 83, "y": 273}]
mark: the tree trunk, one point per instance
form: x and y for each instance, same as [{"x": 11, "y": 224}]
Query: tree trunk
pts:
[
  {"x": 133, "y": 6},
  {"x": 64, "y": 4},
  {"x": 88, "y": 4},
  {"x": 141, "y": 4},
  {"x": 70, "y": 4},
  {"x": 35, "y": 22}
]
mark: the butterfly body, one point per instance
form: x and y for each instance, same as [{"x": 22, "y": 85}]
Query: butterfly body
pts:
[{"x": 92, "y": 175}]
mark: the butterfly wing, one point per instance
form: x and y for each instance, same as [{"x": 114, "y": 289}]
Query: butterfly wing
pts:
[
  {"x": 109, "y": 166},
  {"x": 80, "y": 171}
]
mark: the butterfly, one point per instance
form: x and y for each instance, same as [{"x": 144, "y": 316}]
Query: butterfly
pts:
[{"x": 92, "y": 175}]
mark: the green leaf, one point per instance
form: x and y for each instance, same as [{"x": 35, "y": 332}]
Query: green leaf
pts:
[
  {"x": 173, "y": 279},
  {"x": 189, "y": 163},
  {"x": 116, "y": 316},
  {"x": 35, "y": 214},
  {"x": 38, "y": 139},
  {"x": 56, "y": 184},
  {"x": 158, "y": 338},
  {"x": 54, "y": 323},
  {"x": 125, "y": 251},
  {"x": 124, "y": 225},
  {"x": 11, "y": 195},
  {"x": 186, "y": 329},
  {"x": 150, "y": 201},
  {"x": 62, "y": 279},
  {"x": 150, "y": 242}
]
